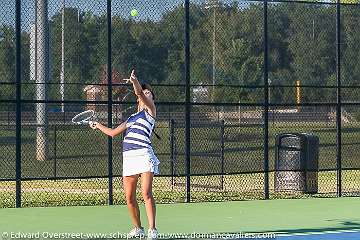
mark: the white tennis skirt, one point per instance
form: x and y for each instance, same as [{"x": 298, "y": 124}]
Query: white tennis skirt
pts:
[{"x": 140, "y": 161}]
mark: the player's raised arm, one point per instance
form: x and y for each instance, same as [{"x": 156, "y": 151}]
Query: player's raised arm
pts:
[{"x": 149, "y": 102}]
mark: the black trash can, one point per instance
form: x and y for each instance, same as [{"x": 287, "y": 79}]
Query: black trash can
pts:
[{"x": 296, "y": 163}]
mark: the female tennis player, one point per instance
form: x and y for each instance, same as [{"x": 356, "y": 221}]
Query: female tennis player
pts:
[{"x": 138, "y": 157}]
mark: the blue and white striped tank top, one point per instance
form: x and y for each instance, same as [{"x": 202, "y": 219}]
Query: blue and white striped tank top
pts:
[{"x": 139, "y": 128}]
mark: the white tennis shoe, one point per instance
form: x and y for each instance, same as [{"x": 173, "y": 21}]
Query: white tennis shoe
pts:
[
  {"x": 152, "y": 234},
  {"x": 136, "y": 233}
]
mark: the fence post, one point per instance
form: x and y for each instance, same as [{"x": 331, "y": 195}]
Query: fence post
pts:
[
  {"x": 338, "y": 102},
  {"x": 109, "y": 82},
  {"x": 55, "y": 146},
  {"x": 8, "y": 114},
  {"x": 172, "y": 152},
  {"x": 18, "y": 103},
  {"x": 187, "y": 101},
  {"x": 266, "y": 108},
  {"x": 222, "y": 132}
]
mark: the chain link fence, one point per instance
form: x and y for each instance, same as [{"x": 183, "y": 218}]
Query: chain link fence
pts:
[{"x": 229, "y": 77}]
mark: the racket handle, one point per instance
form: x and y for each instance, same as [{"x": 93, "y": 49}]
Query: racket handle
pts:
[
  {"x": 157, "y": 136},
  {"x": 93, "y": 125}
]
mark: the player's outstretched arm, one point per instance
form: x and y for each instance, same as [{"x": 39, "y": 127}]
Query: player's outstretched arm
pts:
[{"x": 109, "y": 131}]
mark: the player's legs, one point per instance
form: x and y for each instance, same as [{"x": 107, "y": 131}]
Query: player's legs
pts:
[
  {"x": 146, "y": 188},
  {"x": 130, "y": 183}
]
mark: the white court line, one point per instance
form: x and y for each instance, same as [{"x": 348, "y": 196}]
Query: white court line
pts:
[{"x": 283, "y": 234}]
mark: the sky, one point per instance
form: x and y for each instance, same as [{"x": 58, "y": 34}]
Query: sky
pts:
[
  {"x": 148, "y": 9},
  {"x": 152, "y": 9}
]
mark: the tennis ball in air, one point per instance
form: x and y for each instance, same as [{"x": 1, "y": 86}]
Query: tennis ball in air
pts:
[{"x": 134, "y": 13}]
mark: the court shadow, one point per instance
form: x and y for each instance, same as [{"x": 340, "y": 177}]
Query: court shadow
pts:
[{"x": 348, "y": 225}]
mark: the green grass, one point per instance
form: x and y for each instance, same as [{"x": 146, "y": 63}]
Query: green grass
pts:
[
  {"x": 88, "y": 148},
  {"x": 83, "y": 152},
  {"x": 236, "y": 187}
]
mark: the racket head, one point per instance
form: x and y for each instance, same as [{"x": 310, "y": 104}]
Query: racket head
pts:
[
  {"x": 122, "y": 90},
  {"x": 83, "y": 117}
]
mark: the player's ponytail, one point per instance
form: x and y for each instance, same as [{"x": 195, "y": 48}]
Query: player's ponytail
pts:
[{"x": 148, "y": 87}]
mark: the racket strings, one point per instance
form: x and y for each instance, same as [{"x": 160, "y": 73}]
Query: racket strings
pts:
[{"x": 84, "y": 116}]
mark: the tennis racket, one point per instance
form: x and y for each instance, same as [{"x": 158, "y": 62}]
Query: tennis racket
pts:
[{"x": 84, "y": 117}]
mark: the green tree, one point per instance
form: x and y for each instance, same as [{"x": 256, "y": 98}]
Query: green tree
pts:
[
  {"x": 73, "y": 47},
  {"x": 7, "y": 62},
  {"x": 312, "y": 46},
  {"x": 240, "y": 52}
]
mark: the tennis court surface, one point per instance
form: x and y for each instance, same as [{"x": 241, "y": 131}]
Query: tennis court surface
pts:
[{"x": 315, "y": 218}]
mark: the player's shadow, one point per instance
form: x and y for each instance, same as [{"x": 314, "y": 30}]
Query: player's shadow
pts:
[
  {"x": 349, "y": 225},
  {"x": 341, "y": 225},
  {"x": 355, "y": 223}
]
